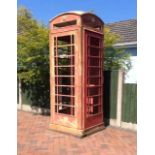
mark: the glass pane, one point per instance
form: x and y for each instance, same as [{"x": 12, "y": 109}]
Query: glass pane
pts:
[
  {"x": 93, "y": 109},
  {"x": 64, "y": 40},
  {"x": 94, "y": 62},
  {"x": 64, "y": 70},
  {"x": 93, "y": 71},
  {"x": 93, "y": 100},
  {"x": 63, "y": 51},
  {"x": 64, "y": 80},
  {"x": 66, "y": 61},
  {"x": 94, "y": 41},
  {"x": 56, "y": 108},
  {"x": 65, "y": 100},
  {"x": 94, "y": 51},
  {"x": 64, "y": 90},
  {"x": 94, "y": 81},
  {"x": 65, "y": 110},
  {"x": 72, "y": 39},
  {"x": 54, "y": 41},
  {"x": 93, "y": 91},
  {"x": 65, "y": 105},
  {"x": 55, "y": 52}
]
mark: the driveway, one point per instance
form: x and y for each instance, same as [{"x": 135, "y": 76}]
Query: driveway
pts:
[{"x": 35, "y": 138}]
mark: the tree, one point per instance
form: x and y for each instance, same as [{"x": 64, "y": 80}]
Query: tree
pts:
[
  {"x": 33, "y": 57},
  {"x": 114, "y": 58}
]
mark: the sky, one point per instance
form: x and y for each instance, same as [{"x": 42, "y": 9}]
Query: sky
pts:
[{"x": 108, "y": 10}]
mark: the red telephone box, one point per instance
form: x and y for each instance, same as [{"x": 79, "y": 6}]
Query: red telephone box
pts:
[{"x": 76, "y": 67}]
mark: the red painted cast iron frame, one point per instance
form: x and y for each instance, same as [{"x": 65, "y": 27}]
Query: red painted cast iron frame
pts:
[{"x": 79, "y": 121}]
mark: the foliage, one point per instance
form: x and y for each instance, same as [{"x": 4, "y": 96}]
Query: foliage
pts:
[
  {"x": 114, "y": 58},
  {"x": 33, "y": 57}
]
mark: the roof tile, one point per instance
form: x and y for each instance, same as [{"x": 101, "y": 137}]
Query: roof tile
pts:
[{"x": 127, "y": 30}]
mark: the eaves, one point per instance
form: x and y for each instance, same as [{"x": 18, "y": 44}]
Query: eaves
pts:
[{"x": 126, "y": 44}]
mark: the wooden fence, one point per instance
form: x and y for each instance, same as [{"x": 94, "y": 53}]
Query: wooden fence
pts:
[
  {"x": 129, "y": 105},
  {"x": 120, "y": 109}
]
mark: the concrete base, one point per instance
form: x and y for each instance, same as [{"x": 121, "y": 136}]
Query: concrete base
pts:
[
  {"x": 33, "y": 109},
  {"x": 76, "y": 132},
  {"x": 130, "y": 126},
  {"x": 124, "y": 125}
]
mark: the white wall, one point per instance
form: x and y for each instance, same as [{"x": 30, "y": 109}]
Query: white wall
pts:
[{"x": 131, "y": 77}]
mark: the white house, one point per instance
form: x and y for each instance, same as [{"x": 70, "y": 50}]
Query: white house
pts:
[{"x": 127, "y": 30}]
